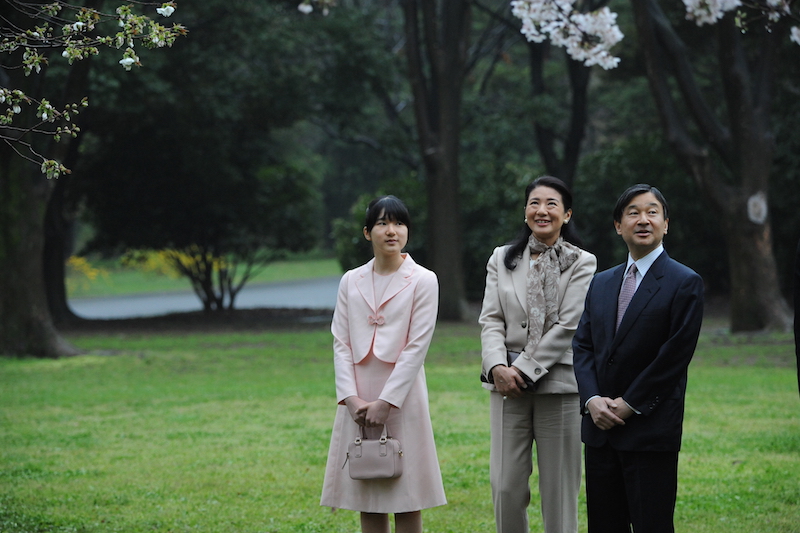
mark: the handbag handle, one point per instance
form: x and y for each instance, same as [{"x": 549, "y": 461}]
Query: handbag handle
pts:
[{"x": 361, "y": 436}]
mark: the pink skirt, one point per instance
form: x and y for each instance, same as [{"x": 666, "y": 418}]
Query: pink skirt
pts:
[{"x": 420, "y": 486}]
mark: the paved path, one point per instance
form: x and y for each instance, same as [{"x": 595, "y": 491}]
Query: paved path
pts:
[{"x": 311, "y": 294}]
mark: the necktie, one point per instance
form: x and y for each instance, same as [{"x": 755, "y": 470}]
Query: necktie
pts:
[{"x": 626, "y": 293}]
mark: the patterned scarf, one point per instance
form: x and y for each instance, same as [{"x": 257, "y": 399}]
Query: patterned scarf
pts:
[{"x": 543, "y": 279}]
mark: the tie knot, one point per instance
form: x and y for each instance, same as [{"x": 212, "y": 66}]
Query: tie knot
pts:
[{"x": 632, "y": 271}]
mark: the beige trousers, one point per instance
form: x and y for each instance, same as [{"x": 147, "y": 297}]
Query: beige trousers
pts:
[{"x": 552, "y": 421}]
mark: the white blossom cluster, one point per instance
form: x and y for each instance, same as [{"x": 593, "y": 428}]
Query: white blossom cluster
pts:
[
  {"x": 306, "y": 7},
  {"x": 166, "y": 10},
  {"x": 709, "y": 11},
  {"x": 778, "y": 9},
  {"x": 587, "y": 37}
]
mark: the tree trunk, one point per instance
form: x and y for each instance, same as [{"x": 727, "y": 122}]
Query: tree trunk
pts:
[
  {"x": 26, "y": 327},
  {"x": 60, "y": 215},
  {"x": 743, "y": 152},
  {"x": 57, "y": 248},
  {"x": 754, "y": 281},
  {"x": 436, "y": 50},
  {"x": 445, "y": 236}
]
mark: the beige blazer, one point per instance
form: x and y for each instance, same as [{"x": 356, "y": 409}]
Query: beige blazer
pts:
[
  {"x": 398, "y": 330},
  {"x": 504, "y": 321}
]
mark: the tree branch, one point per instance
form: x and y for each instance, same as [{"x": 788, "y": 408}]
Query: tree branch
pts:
[
  {"x": 370, "y": 142},
  {"x": 416, "y": 76},
  {"x": 545, "y": 137},
  {"x": 673, "y": 48},
  {"x": 579, "y": 75},
  {"x": 694, "y": 157}
]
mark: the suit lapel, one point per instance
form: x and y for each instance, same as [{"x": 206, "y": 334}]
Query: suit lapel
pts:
[
  {"x": 364, "y": 284},
  {"x": 400, "y": 280},
  {"x": 650, "y": 285}
]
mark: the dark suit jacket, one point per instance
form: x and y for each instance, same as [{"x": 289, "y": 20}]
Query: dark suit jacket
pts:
[{"x": 646, "y": 361}]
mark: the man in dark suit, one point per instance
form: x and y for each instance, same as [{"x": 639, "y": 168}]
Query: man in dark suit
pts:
[{"x": 631, "y": 371}]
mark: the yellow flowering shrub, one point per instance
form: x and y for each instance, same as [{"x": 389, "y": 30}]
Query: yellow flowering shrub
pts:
[{"x": 81, "y": 273}]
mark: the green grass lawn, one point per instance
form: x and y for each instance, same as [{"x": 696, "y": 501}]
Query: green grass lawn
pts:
[
  {"x": 229, "y": 433},
  {"x": 114, "y": 279}
]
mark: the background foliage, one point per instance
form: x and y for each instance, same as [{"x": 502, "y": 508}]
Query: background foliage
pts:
[
  {"x": 624, "y": 145},
  {"x": 324, "y": 103}
]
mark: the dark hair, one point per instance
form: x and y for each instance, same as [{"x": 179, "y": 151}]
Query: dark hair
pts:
[
  {"x": 517, "y": 246},
  {"x": 631, "y": 192},
  {"x": 392, "y": 208}
]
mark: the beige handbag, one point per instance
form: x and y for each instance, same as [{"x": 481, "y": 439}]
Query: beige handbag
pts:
[{"x": 375, "y": 458}]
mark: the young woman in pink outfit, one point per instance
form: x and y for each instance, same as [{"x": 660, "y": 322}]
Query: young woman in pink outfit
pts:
[{"x": 382, "y": 326}]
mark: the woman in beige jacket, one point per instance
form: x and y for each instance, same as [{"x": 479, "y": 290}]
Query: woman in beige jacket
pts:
[{"x": 535, "y": 290}]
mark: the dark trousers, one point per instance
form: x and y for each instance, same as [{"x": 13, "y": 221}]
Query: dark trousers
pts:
[{"x": 630, "y": 491}]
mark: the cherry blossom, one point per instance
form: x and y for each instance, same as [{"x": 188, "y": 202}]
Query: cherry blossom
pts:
[
  {"x": 52, "y": 31},
  {"x": 166, "y": 10},
  {"x": 709, "y": 11},
  {"x": 127, "y": 62},
  {"x": 589, "y": 37},
  {"x": 307, "y": 6}
]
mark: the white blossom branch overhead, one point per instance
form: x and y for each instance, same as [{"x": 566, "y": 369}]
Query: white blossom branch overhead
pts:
[
  {"x": 589, "y": 37},
  {"x": 79, "y": 32}
]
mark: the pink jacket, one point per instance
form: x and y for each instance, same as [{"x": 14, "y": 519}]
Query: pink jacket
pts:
[{"x": 399, "y": 331}]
